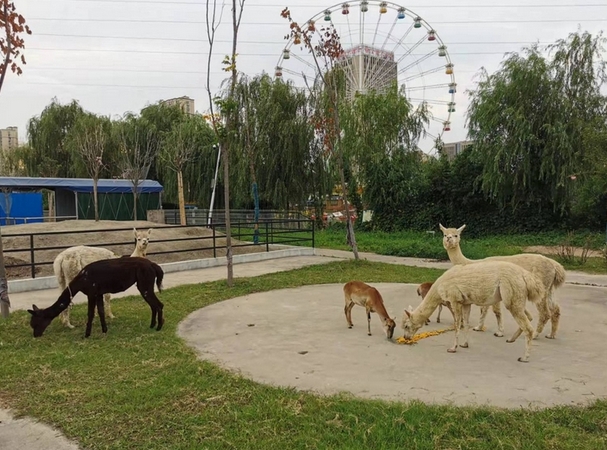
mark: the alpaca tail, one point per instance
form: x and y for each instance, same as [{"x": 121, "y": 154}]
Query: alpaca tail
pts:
[
  {"x": 535, "y": 288},
  {"x": 59, "y": 272},
  {"x": 559, "y": 276},
  {"x": 159, "y": 276}
]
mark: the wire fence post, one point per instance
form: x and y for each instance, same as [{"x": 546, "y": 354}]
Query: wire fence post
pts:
[
  {"x": 267, "y": 238},
  {"x": 32, "y": 258},
  {"x": 214, "y": 243}
]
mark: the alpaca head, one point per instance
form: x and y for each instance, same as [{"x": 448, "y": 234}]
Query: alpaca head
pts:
[
  {"x": 409, "y": 327},
  {"x": 451, "y": 236},
  {"x": 39, "y": 320},
  {"x": 142, "y": 240}
]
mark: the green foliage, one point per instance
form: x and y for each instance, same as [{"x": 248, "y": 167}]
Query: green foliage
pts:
[
  {"x": 162, "y": 396},
  {"x": 532, "y": 119}
]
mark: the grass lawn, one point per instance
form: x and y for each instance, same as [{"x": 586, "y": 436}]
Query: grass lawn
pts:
[
  {"x": 142, "y": 389},
  {"x": 426, "y": 245}
]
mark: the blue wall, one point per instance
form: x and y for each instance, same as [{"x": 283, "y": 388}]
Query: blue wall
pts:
[{"x": 22, "y": 205}]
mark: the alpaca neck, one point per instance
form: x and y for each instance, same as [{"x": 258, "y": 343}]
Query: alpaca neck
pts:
[
  {"x": 62, "y": 302},
  {"x": 139, "y": 253},
  {"x": 426, "y": 307},
  {"x": 457, "y": 257}
]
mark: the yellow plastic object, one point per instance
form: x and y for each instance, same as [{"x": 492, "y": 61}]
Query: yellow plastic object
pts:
[{"x": 420, "y": 336}]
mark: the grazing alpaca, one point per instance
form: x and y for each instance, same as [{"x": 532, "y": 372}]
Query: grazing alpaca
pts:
[
  {"x": 481, "y": 284},
  {"x": 106, "y": 276},
  {"x": 70, "y": 262},
  {"x": 359, "y": 293},
  {"x": 422, "y": 290},
  {"x": 548, "y": 271}
]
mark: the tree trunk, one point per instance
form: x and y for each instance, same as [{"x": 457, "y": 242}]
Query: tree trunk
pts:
[
  {"x": 51, "y": 206},
  {"x": 135, "y": 204},
  {"x": 226, "y": 192},
  {"x": 96, "y": 199},
  {"x": 9, "y": 48},
  {"x": 181, "y": 198},
  {"x": 5, "y": 303}
]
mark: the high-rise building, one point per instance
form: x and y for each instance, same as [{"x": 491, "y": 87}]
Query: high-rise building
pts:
[
  {"x": 185, "y": 103},
  {"x": 368, "y": 68},
  {"x": 9, "y": 138},
  {"x": 453, "y": 149}
]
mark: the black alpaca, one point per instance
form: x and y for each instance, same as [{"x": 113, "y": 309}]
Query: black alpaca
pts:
[{"x": 107, "y": 276}]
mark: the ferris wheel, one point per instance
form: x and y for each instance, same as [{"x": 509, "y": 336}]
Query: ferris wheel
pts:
[{"x": 382, "y": 42}]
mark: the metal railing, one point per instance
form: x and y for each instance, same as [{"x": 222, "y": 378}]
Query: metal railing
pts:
[
  {"x": 201, "y": 216},
  {"x": 25, "y": 220},
  {"x": 298, "y": 232}
]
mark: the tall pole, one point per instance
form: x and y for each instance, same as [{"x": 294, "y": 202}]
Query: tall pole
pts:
[{"x": 214, "y": 185}]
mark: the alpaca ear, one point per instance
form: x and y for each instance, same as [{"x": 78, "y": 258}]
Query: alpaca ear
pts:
[
  {"x": 460, "y": 229},
  {"x": 135, "y": 232},
  {"x": 31, "y": 312},
  {"x": 408, "y": 313},
  {"x": 410, "y": 308},
  {"x": 150, "y": 231},
  {"x": 35, "y": 308},
  {"x": 442, "y": 228}
]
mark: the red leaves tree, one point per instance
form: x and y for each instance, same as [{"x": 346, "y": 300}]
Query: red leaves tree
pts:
[{"x": 12, "y": 26}]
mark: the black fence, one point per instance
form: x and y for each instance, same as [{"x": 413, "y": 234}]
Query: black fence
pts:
[
  {"x": 201, "y": 216},
  {"x": 295, "y": 232}
]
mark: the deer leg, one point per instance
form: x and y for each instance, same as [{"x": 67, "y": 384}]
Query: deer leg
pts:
[
  {"x": 106, "y": 304},
  {"x": 368, "y": 322},
  {"x": 497, "y": 310},
  {"x": 457, "y": 313},
  {"x": 101, "y": 312},
  {"x": 91, "y": 315},
  {"x": 481, "y": 320},
  {"x": 348, "y": 312}
]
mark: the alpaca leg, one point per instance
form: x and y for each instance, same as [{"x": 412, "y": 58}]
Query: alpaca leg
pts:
[
  {"x": 101, "y": 313},
  {"x": 466, "y": 319},
  {"x": 106, "y": 304},
  {"x": 368, "y": 322},
  {"x": 544, "y": 315},
  {"x": 457, "y": 313},
  {"x": 348, "y": 312},
  {"x": 91, "y": 316},
  {"x": 481, "y": 320},
  {"x": 64, "y": 316},
  {"x": 497, "y": 310},
  {"x": 524, "y": 324},
  {"x": 159, "y": 308},
  {"x": 555, "y": 317},
  {"x": 515, "y": 336}
]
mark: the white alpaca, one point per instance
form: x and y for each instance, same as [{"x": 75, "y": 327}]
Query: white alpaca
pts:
[
  {"x": 548, "y": 271},
  {"x": 481, "y": 284},
  {"x": 70, "y": 262}
]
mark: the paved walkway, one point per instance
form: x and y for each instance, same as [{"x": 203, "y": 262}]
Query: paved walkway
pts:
[{"x": 18, "y": 434}]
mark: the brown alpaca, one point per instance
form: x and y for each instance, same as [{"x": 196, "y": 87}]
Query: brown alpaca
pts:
[
  {"x": 106, "y": 276},
  {"x": 359, "y": 293}
]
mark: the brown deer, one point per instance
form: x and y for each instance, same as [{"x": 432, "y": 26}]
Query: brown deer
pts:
[
  {"x": 422, "y": 290},
  {"x": 359, "y": 293}
]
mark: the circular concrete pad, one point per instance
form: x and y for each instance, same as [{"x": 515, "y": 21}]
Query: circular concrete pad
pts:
[{"x": 299, "y": 338}]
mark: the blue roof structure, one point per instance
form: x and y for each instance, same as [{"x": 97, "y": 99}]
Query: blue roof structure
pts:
[{"x": 104, "y": 186}]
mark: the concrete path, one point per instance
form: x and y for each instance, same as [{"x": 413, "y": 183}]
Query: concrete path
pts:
[
  {"x": 18, "y": 434},
  {"x": 299, "y": 338}
]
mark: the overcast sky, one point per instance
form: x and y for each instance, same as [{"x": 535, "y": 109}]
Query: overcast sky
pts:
[{"x": 115, "y": 56}]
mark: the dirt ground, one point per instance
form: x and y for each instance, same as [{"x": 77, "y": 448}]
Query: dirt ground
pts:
[{"x": 198, "y": 248}]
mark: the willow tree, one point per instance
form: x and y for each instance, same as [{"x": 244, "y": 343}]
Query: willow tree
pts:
[
  {"x": 272, "y": 147},
  {"x": 533, "y": 119},
  {"x": 48, "y": 134},
  {"x": 180, "y": 148}
]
